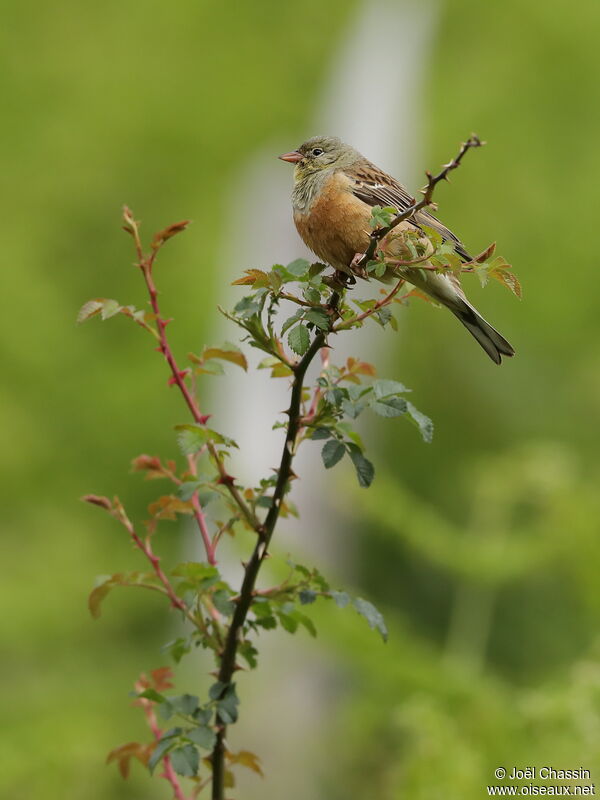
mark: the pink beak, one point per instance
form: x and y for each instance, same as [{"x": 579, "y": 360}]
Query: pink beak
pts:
[{"x": 292, "y": 157}]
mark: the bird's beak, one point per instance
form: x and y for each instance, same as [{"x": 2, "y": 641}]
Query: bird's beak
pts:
[{"x": 292, "y": 157}]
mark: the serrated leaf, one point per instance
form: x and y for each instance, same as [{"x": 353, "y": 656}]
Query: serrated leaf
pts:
[
  {"x": 249, "y": 653},
  {"x": 383, "y": 387},
  {"x": 508, "y": 279},
  {"x": 365, "y": 471},
  {"x": 332, "y": 452},
  {"x": 165, "y": 743},
  {"x": 152, "y": 694},
  {"x": 109, "y": 309},
  {"x": 312, "y": 295},
  {"x": 321, "y": 433},
  {"x": 341, "y": 599},
  {"x": 298, "y": 268},
  {"x": 227, "y": 705},
  {"x": 307, "y": 596},
  {"x": 89, "y": 310},
  {"x": 203, "y": 736},
  {"x": 192, "y": 437},
  {"x": 372, "y": 615},
  {"x": 185, "y": 760},
  {"x": 251, "y": 276},
  {"x": 291, "y": 321},
  {"x": 228, "y": 352},
  {"x": 246, "y": 759},
  {"x": 318, "y": 317},
  {"x": 423, "y": 423},
  {"x": 299, "y": 339},
  {"x": 184, "y": 703},
  {"x": 222, "y": 602},
  {"x": 389, "y": 406}
]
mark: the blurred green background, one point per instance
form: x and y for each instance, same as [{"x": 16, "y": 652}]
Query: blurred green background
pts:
[{"x": 482, "y": 549}]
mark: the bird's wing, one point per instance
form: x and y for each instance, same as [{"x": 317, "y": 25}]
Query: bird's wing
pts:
[{"x": 375, "y": 187}]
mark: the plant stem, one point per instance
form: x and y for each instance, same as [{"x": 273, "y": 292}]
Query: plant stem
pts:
[
  {"x": 244, "y": 600},
  {"x": 178, "y": 377}
]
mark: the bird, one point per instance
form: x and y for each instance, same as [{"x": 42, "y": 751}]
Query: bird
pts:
[{"x": 335, "y": 188}]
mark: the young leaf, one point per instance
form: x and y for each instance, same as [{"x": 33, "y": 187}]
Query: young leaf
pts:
[
  {"x": 372, "y": 615},
  {"x": 423, "y": 423},
  {"x": 299, "y": 340},
  {"x": 229, "y": 352}
]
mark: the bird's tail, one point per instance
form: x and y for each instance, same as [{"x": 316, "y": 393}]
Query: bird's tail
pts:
[{"x": 494, "y": 344}]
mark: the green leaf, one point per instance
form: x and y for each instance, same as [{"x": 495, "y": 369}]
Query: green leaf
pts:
[
  {"x": 372, "y": 615},
  {"x": 203, "y": 736},
  {"x": 381, "y": 217},
  {"x": 341, "y": 599},
  {"x": 384, "y": 314},
  {"x": 307, "y": 596},
  {"x": 248, "y": 306},
  {"x": 389, "y": 406},
  {"x": 299, "y": 339},
  {"x": 312, "y": 295},
  {"x": 365, "y": 471},
  {"x": 298, "y": 268},
  {"x": 383, "y": 388},
  {"x": 184, "y": 703},
  {"x": 159, "y": 751},
  {"x": 321, "y": 433},
  {"x": 249, "y": 653},
  {"x": 187, "y": 489},
  {"x": 152, "y": 694},
  {"x": 288, "y": 622},
  {"x": 203, "y": 576},
  {"x": 291, "y": 321},
  {"x": 185, "y": 760},
  {"x": 192, "y": 437},
  {"x": 216, "y": 690},
  {"x": 306, "y": 622},
  {"x": 177, "y": 649},
  {"x": 227, "y": 705},
  {"x": 89, "y": 310},
  {"x": 222, "y": 602},
  {"x": 423, "y": 423},
  {"x": 332, "y": 452},
  {"x": 318, "y": 317},
  {"x": 110, "y": 308}
]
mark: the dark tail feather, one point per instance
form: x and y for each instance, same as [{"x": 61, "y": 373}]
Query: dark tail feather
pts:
[{"x": 494, "y": 344}]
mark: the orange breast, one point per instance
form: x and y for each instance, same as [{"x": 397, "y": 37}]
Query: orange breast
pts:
[{"x": 336, "y": 226}]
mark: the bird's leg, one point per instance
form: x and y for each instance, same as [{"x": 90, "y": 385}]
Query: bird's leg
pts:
[{"x": 356, "y": 267}]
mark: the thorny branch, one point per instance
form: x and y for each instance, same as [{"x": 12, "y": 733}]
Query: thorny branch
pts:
[{"x": 426, "y": 200}]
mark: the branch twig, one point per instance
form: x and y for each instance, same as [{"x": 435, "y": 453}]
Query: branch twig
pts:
[
  {"x": 244, "y": 600},
  {"x": 426, "y": 200}
]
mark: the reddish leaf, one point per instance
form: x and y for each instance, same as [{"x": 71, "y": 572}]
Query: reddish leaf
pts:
[
  {"x": 98, "y": 500},
  {"x": 162, "y": 236},
  {"x": 168, "y": 506},
  {"x": 250, "y": 277}
]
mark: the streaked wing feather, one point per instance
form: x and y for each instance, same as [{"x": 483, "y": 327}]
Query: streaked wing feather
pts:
[{"x": 375, "y": 188}]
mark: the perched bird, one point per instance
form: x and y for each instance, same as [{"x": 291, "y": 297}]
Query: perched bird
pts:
[{"x": 335, "y": 188}]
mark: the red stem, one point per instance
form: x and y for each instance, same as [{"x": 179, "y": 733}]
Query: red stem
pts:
[{"x": 168, "y": 773}]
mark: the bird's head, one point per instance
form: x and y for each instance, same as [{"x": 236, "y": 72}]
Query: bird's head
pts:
[{"x": 319, "y": 153}]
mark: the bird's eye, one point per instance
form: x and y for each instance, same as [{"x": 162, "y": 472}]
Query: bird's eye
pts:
[{"x": 317, "y": 151}]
